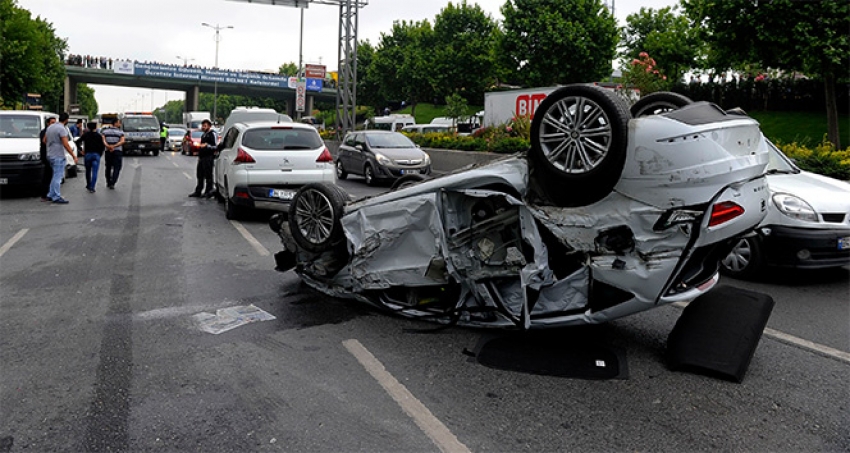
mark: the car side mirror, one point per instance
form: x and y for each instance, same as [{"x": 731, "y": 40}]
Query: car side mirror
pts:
[{"x": 358, "y": 147}]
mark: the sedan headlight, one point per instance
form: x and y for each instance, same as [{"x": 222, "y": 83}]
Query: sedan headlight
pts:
[
  {"x": 382, "y": 159},
  {"x": 794, "y": 207},
  {"x": 29, "y": 156},
  {"x": 427, "y": 159}
]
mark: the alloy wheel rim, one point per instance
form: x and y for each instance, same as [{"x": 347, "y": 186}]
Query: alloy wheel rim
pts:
[
  {"x": 740, "y": 256},
  {"x": 575, "y": 135},
  {"x": 314, "y": 216}
]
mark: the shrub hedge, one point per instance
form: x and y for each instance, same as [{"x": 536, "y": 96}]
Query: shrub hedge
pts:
[{"x": 823, "y": 159}]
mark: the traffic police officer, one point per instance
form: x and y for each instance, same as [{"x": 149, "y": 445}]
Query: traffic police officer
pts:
[{"x": 206, "y": 155}]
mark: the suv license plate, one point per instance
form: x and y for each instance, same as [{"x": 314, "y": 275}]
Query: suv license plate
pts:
[
  {"x": 282, "y": 194},
  {"x": 4, "y": 181},
  {"x": 409, "y": 172},
  {"x": 844, "y": 243}
]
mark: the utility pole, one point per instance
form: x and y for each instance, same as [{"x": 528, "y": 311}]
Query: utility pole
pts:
[{"x": 217, "y": 29}]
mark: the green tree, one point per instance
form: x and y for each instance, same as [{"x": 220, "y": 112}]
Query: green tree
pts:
[
  {"x": 558, "y": 41},
  {"x": 402, "y": 63},
  {"x": 456, "y": 107},
  {"x": 368, "y": 82},
  {"x": 85, "y": 97},
  {"x": 664, "y": 34},
  {"x": 30, "y": 57},
  {"x": 462, "y": 56},
  {"x": 791, "y": 35},
  {"x": 288, "y": 69}
]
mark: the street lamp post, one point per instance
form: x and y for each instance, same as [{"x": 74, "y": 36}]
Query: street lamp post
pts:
[
  {"x": 217, "y": 29},
  {"x": 186, "y": 60}
]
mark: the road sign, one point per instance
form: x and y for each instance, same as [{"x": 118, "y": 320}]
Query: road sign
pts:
[
  {"x": 300, "y": 96},
  {"x": 314, "y": 71}
]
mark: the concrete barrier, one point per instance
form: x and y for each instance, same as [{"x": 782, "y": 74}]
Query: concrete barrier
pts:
[{"x": 442, "y": 160}]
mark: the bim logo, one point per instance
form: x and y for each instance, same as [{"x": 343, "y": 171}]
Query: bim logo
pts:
[{"x": 526, "y": 104}]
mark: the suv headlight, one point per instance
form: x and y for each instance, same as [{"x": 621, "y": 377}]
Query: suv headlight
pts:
[
  {"x": 427, "y": 159},
  {"x": 382, "y": 159},
  {"x": 794, "y": 207},
  {"x": 29, "y": 156}
]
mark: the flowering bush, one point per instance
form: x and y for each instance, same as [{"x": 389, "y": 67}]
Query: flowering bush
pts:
[
  {"x": 824, "y": 158},
  {"x": 644, "y": 74}
]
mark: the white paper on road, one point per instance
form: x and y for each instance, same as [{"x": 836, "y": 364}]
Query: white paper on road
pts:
[{"x": 229, "y": 318}]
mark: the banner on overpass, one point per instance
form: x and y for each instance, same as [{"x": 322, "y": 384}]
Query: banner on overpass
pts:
[{"x": 202, "y": 74}]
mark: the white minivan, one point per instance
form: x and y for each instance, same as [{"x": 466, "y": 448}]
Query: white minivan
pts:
[{"x": 20, "y": 162}]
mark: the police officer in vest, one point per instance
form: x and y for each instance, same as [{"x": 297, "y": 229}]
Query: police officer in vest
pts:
[{"x": 206, "y": 155}]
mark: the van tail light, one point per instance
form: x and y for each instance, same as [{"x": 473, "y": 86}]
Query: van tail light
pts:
[
  {"x": 243, "y": 157},
  {"x": 724, "y": 212},
  {"x": 325, "y": 156}
]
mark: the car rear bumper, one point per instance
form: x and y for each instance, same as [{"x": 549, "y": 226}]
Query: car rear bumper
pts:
[
  {"x": 21, "y": 173},
  {"x": 260, "y": 197},
  {"x": 804, "y": 248}
]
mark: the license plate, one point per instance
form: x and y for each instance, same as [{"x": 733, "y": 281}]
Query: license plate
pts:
[
  {"x": 844, "y": 243},
  {"x": 4, "y": 181},
  {"x": 409, "y": 172},
  {"x": 282, "y": 194}
]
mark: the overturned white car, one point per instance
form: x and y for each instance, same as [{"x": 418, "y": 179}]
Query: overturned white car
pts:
[{"x": 605, "y": 216}]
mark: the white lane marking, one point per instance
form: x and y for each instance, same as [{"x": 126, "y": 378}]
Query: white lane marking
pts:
[
  {"x": 810, "y": 345},
  {"x": 797, "y": 341},
  {"x": 17, "y": 237},
  {"x": 174, "y": 163},
  {"x": 444, "y": 439},
  {"x": 187, "y": 176},
  {"x": 250, "y": 238}
]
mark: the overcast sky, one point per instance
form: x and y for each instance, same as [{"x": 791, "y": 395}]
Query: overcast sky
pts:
[{"x": 263, "y": 36}]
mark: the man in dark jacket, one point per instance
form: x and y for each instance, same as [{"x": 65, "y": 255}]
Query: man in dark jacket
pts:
[
  {"x": 94, "y": 144},
  {"x": 206, "y": 155}
]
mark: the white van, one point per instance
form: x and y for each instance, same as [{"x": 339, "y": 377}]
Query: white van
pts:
[
  {"x": 20, "y": 161},
  {"x": 395, "y": 122},
  {"x": 252, "y": 115}
]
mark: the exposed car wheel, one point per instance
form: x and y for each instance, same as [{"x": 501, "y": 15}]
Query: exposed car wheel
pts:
[
  {"x": 745, "y": 260},
  {"x": 231, "y": 210},
  {"x": 406, "y": 181},
  {"x": 578, "y": 144},
  {"x": 369, "y": 174},
  {"x": 314, "y": 217},
  {"x": 660, "y": 102},
  {"x": 340, "y": 170}
]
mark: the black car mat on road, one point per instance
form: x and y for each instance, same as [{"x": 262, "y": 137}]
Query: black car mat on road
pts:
[
  {"x": 575, "y": 353},
  {"x": 718, "y": 332}
]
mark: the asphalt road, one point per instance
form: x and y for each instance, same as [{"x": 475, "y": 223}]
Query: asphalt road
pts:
[{"x": 99, "y": 350}]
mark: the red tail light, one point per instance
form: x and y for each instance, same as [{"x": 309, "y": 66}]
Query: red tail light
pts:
[
  {"x": 325, "y": 156},
  {"x": 243, "y": 157},
  {"x": 724, "y": 212}
]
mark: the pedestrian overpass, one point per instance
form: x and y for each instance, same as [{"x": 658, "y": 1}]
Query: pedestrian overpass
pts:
[{"x": 193, "y": 81}]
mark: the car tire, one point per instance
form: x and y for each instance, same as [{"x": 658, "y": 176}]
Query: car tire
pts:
[
  {"x": 369, "y": 175},
  {"x": 155, "y": 153},
  {"x": 746, "y": 259},
  {"x": 660, "y": 102},
  {"x": 406, "y": 181},
  {"x": 231, "y": 210},
  {"x": 315, "y": 217},
  {"x": 579, "y": 136},
  {"x": 340, "y": 170}
]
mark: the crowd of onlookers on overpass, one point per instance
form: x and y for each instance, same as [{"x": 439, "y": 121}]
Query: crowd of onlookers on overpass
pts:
[{"x": 89, "y": 61}]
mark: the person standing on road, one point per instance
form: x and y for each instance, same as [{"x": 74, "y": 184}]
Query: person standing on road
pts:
[
  {"x": 206, "y": 155},
  {"x": 113, "y": 138},
  {"x": 163, "y": 136},
  {"x": 47, "y": 174},
  {"x": 57, "y": 145},
  {"x": 93, "y": 144}
]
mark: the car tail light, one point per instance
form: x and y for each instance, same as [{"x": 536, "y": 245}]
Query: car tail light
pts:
[
  {"x": 241, "y": 193},
  {"x": 325, "y": 156},
  {"x": 724, "y": 212},
  {"x": 243, "y": 157}
]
